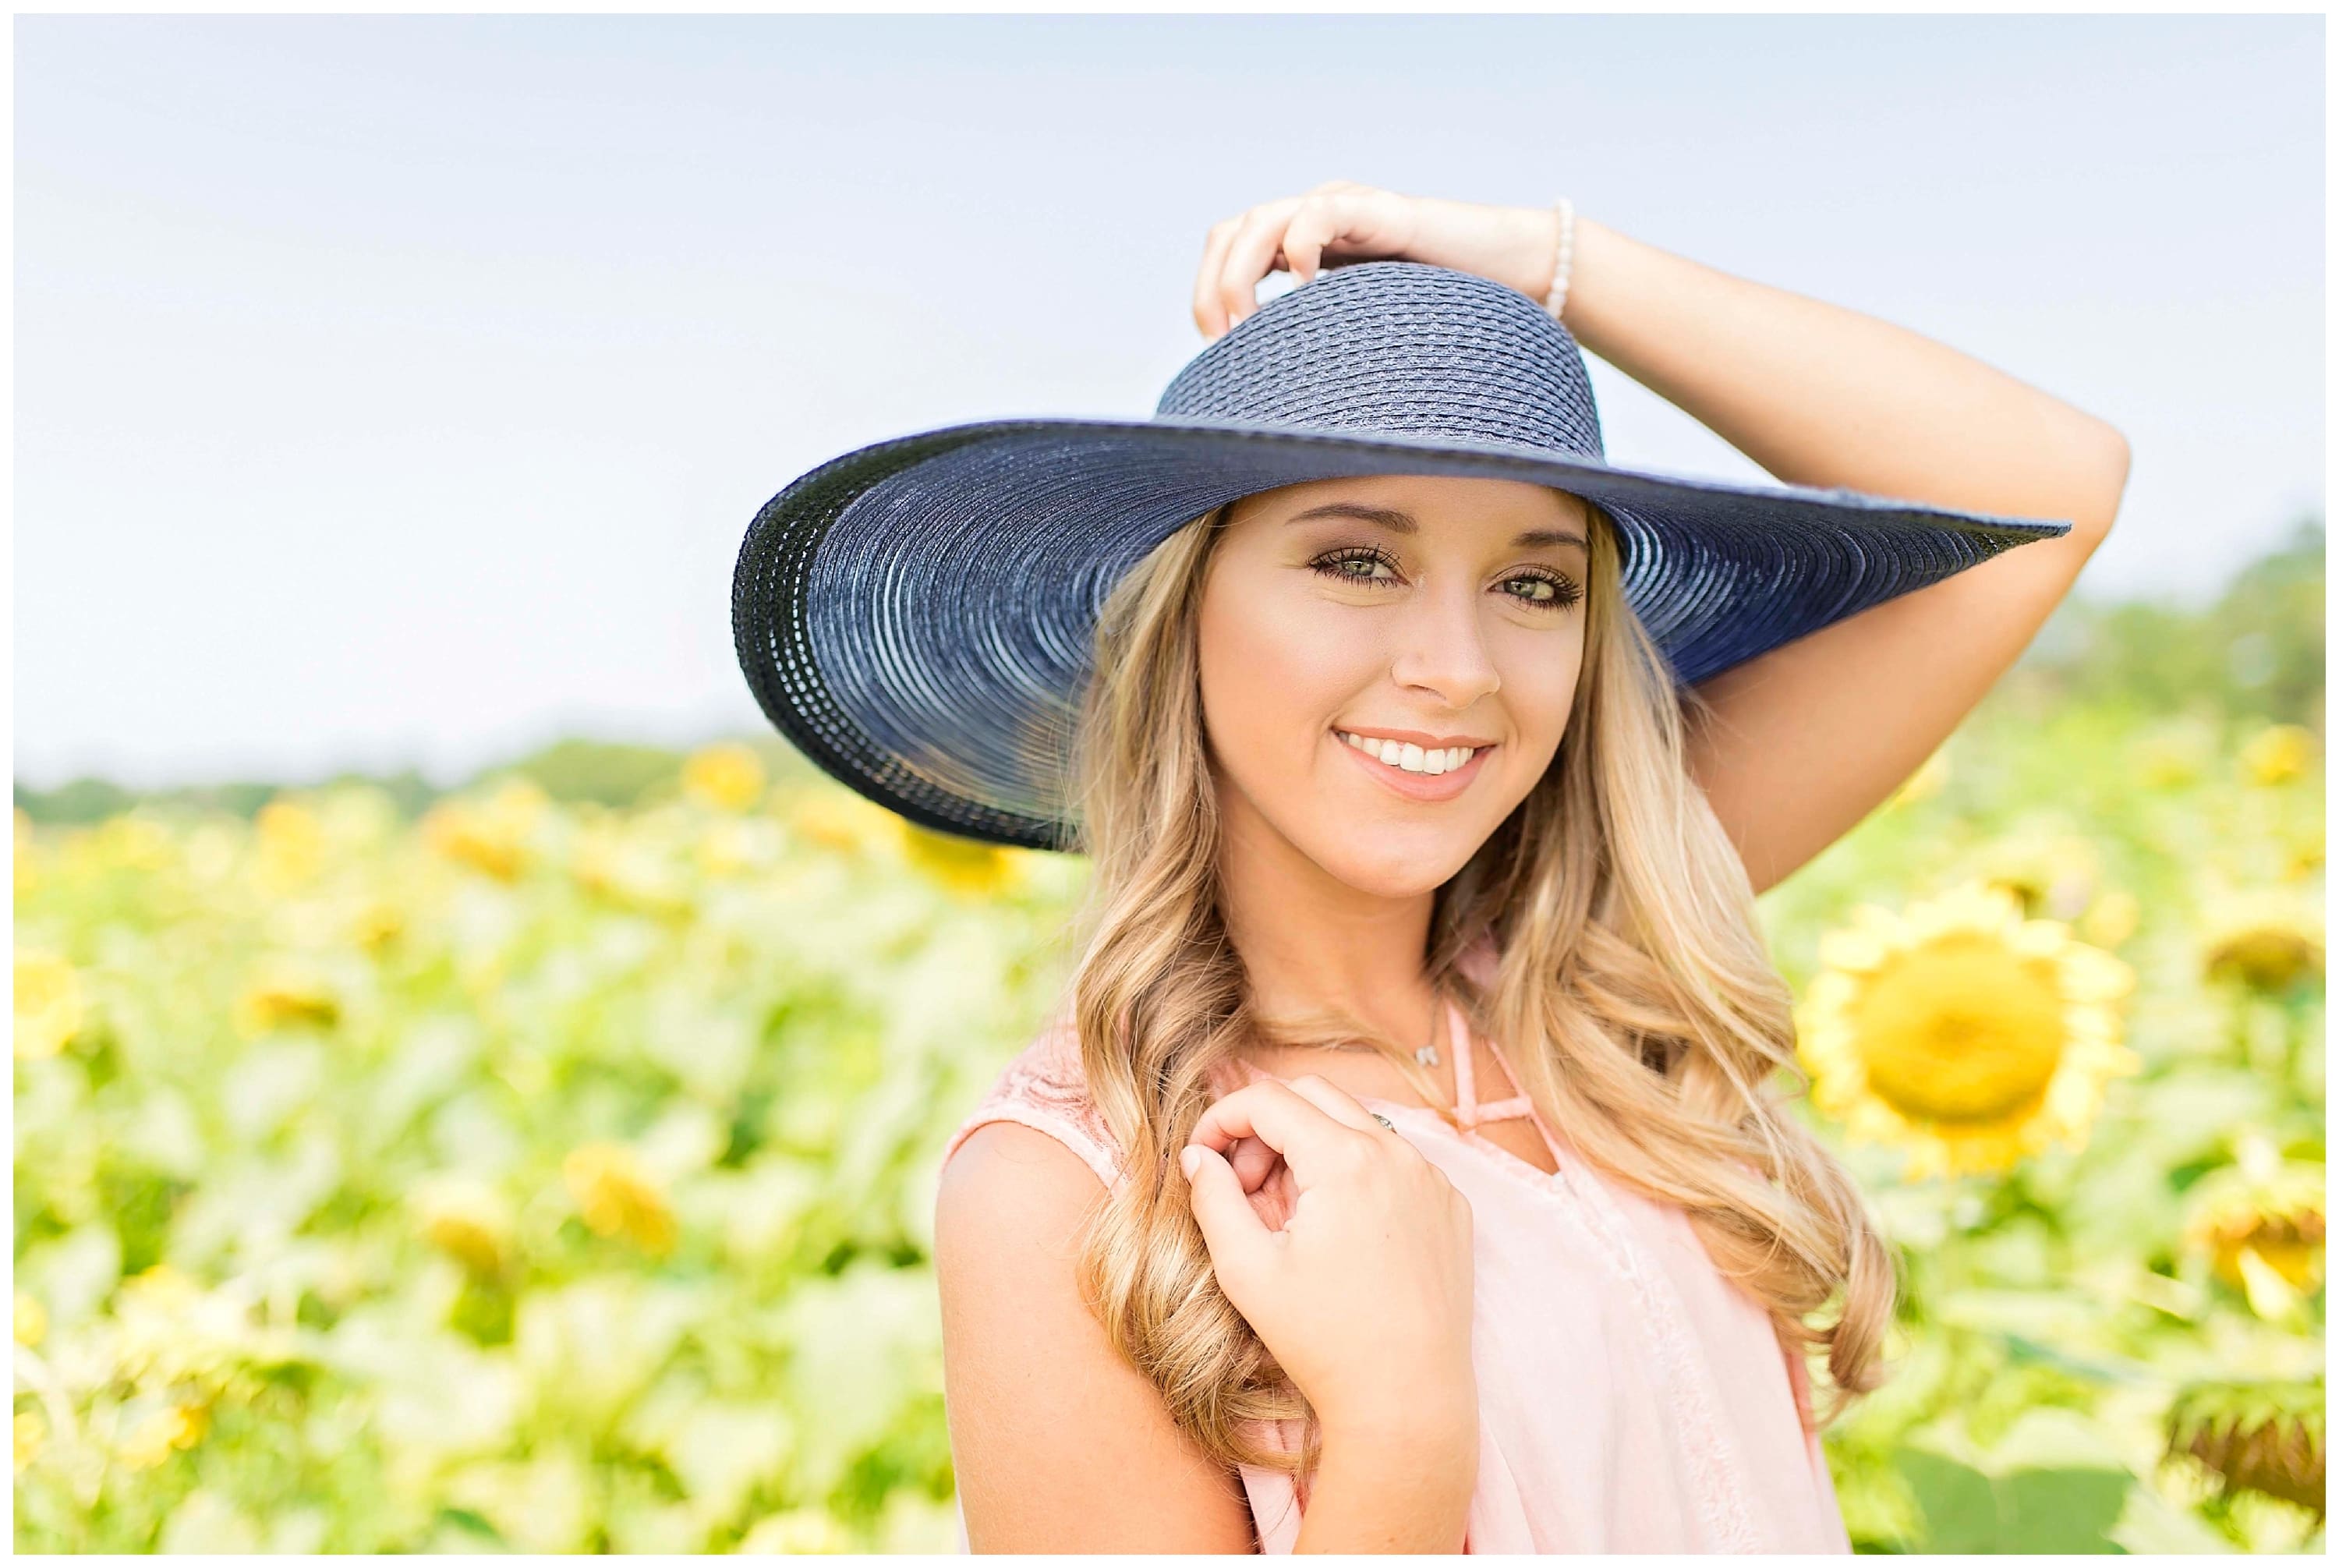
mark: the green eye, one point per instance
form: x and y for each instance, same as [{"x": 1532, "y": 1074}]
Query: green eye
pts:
[
  {"x": 1355, "y": 566},
  {"x": 1561, "y": 593}
]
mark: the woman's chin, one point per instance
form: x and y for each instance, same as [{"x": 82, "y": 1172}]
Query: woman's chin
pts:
[{"x": 1396, "y": 867}]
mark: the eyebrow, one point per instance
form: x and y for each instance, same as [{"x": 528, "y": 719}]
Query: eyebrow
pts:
[{"x": 1398, "y": 522}]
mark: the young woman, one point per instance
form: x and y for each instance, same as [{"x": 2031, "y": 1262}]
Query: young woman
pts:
[{"x": 1407, "y": 1170}]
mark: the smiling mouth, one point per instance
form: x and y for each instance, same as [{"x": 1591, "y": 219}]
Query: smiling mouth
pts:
[{"x": 1404, "y": 756}]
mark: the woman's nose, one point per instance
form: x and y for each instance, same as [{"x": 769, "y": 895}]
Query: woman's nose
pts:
[{"x": 1442, "y": 648}]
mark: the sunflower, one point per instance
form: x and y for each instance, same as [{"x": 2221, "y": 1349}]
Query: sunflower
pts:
[
  {"x": 2175, "y": 751},
  {"x": 2260, "y": 1222},
  {"x": 48, "y": 1003},
  {"x": 287, "y": 994},
  {"x": 466, "y": 1220},
  {"x": 732, "y": 845},
  {"x": 2305, "y": 851},
  {"x": 2054, "y": 874},
  {"x": 2278, "y": 754},
  {"x": 613, "y": 860},
  {"x": 493, "y": 837},
  {"x": 618, "y": 1197},
  {"x": 728, "y": 776},
  {"x": 162, "y": 1433},
  {"x": 800, "y": 1530},
  {"x": 291, "y": 844},
  {"x": 32, "y": 1436},
  {"x": 2112, "y": 919},
  {"x": 2267, "y": 939},
  {"x": 1963, "y": 1031},
  {"x": 839, "y": 819},
  {"x": 964, "y": 865}
]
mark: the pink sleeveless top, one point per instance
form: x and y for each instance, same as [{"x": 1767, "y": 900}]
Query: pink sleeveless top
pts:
[{"x": 1631, "y": 1398}]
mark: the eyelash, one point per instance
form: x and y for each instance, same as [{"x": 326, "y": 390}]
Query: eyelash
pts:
[{"x": 1565, "y": 593}]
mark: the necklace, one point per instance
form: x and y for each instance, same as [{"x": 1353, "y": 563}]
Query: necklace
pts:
[{"x": 1426, "y": 1054}]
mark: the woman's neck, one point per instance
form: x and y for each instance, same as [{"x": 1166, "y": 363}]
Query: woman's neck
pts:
[{"x": 1311, "y": 942}]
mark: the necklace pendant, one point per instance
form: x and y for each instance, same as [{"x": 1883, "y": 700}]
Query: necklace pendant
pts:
[{"x": 1427, "y": 1056}]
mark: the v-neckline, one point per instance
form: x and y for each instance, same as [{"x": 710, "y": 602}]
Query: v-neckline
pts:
[
  {"x": 1464, "y": 1039},
  {"x": 1472, "y": 1139}
]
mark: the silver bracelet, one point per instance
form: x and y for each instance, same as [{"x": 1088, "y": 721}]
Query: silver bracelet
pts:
[{"x": 1556, "y": 300}]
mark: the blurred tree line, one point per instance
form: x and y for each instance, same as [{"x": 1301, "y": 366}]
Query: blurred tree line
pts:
[{"x": 2255, "y": 654}]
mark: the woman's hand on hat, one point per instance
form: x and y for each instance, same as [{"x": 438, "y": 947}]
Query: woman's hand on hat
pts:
[
  {"x": 1363, "y": 1291},
  {"x": 1342, "y": 221}
]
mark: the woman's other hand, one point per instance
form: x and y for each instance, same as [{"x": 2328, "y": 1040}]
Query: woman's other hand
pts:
[
  {"x": 1341, "y": 221},
  {"x": 1363, "y": 1293}
]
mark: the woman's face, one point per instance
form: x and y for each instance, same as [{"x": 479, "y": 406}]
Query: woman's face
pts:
[{"x": 1439, "y": 612}]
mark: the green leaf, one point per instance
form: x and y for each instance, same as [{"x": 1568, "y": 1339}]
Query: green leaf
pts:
[{"x": 1966, "y": 1509}]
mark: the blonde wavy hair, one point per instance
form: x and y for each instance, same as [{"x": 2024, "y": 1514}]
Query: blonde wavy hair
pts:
[{"x": 1642, "y": 1010}]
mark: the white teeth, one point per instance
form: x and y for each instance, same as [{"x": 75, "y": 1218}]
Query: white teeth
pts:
[{"x": 1412, "y": 758}]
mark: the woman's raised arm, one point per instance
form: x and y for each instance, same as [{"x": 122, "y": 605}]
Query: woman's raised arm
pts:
[{"x": 1797, "y": 745}]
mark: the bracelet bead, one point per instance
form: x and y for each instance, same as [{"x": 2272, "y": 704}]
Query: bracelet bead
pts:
[{"x": 1556, "y": 300}]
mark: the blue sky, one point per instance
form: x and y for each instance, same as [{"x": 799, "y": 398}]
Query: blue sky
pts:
[{"x": 396, "y": 389}]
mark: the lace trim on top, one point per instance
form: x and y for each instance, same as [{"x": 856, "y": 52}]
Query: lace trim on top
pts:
[{"x": 1043, "y": 1088}]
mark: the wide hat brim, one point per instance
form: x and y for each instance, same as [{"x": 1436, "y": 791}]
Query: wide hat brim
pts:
[{"x": 916, "y": 616}]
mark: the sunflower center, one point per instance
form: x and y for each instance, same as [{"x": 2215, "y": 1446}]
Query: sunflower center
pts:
[{"x": 1961, "y": 1029}]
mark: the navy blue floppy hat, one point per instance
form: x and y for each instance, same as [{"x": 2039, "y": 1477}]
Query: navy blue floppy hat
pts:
[{"x": 916, "y": 616}]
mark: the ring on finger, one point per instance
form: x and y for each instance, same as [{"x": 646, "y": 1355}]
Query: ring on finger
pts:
[{"x": 1385, "y": 1121}]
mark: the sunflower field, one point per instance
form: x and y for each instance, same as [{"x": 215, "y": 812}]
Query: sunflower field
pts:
[{"x": 537, "y": 1172}]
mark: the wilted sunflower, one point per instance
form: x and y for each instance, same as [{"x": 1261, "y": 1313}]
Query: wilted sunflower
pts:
[
  {"x": 2267, "y": 938},
  {"x": 2265, "y": 1437},
  {"x": 1963, "y": 1031},
  {"x": 2260, "y": 1223},
  {"x": 728, "y": 776},
  {"x": 48, "y": 1003}
]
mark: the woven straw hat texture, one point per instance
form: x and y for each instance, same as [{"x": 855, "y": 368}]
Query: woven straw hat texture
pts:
[{"x": 916, "y": 616}]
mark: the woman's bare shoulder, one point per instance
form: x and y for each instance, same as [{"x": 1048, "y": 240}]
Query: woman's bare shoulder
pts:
[{"x": 1058, "y": 1442}]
